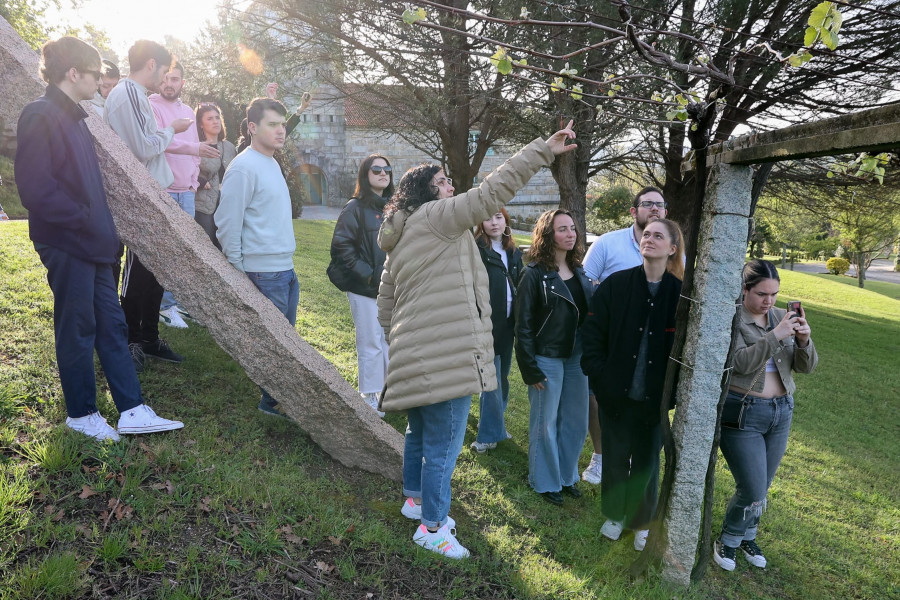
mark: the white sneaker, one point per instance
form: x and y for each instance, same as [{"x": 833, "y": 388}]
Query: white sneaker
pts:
[
  {"x": 594, "y": 471},
  {"x": 611, "y": 529},
  {"x": 724, "y": 555},
  {"x": 482, "y": 448},
  {"x": 413, "y": 511},
  {"x": 172, "y": 318},
  {"x": 372, "y": 400},
  {"x": 93, "y": 425},
  {"x": 142, "y": 419},
  {"x": 640, "y": 539},
  {"x": 441, "y": 542}
]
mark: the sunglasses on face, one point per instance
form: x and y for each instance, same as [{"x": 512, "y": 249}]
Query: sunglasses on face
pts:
[
  {"x": 377, "y": 170},
  {"x": 95, "y": 74}
]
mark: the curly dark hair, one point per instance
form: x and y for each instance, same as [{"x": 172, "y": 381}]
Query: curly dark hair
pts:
[
  {"x": 543, "y": 247},
  {"x": 414, "y": 190}
]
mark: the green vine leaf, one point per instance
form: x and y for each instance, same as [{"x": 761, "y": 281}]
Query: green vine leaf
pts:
[
  {"x": 502, "y": 61},
  {"x": 411, "y": 16},
  {"x": 558, "y": 85}
]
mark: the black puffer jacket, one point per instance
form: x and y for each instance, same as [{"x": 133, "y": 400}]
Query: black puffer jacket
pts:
[
  {"x": 546, "y": 318},
  {"x": 612, "y": 333},
  {"x": 354, "y": 246},
  {"x": 498, "y": 279}
]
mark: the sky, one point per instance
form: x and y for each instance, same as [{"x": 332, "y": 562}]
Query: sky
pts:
[{"x": 128, "y": 20}]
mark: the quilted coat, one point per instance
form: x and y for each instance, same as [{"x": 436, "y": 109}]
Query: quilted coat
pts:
[{"x": 433, "y": 301}]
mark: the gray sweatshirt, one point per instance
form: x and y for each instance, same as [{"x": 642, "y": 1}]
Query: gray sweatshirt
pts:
[
  {"x": 253, "y": 220},
  {"x": 129, "y": 114}
]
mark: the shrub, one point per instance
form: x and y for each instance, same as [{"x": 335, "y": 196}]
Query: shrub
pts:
[{"x": 837, "y": 266}]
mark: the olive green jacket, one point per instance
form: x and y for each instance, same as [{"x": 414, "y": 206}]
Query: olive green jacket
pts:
[{"x": 755, "y": 345}]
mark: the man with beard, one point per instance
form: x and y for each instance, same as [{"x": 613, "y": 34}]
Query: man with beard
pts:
[
  {"x": 129, "y": 114},
  {"x": 616, "y": 251},
  {"x": 183, "y": 156}
]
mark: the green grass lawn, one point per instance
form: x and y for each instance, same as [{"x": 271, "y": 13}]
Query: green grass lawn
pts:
[{"x": 240, "y": 505}]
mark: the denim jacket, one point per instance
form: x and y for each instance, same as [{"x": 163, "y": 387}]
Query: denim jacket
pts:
[{"x": 755, "y": 345}]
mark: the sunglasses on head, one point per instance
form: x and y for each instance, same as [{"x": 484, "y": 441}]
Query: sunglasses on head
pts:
[
  {"x": 204, "y": 104},
  {"x": 377, "y": 170}
]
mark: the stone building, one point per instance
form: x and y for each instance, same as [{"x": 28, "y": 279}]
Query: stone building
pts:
[{"x": 337, "y": 132}]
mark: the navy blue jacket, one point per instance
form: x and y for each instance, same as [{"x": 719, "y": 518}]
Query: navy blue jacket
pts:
[{"x": 59, "y": 181}]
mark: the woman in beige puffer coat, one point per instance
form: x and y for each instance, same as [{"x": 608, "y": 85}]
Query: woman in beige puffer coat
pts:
[{"x": 433, "y": 304}]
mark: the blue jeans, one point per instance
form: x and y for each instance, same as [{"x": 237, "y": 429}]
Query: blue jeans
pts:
[
  {"x": 491, "y": 424},
  {"x": 186, "y": 201},
  {"x": 558, "y": 423},
  {"x": 434, "y": 438},
  {"x": 283, "y": 289},
  {"x": 753, "y": 450},
  {"x": 87, "y": 317}
]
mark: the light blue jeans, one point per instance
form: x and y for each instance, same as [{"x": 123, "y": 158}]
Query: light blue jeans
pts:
[
  {"x": 283, "y": 289},
  {"x": 753, "y": 451},
  {"x": 434, "y": 439},
  {"x": 558, "y": 423},
  {"x": 186, "y": 201},
  {"x": 491, "y": 422}
]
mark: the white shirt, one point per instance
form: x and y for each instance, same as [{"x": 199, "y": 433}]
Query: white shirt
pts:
[{"x": 498, "y": 248}]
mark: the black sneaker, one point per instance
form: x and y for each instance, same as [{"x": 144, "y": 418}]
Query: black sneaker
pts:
[
  {"x": 753, "y": 553},
  {"x": 137, "y": 357},
  {"x": 553, "y": 498},
  {"x": 571, "y": 490},
  {"x": 724, "y": 555},
  {"x": 160, "y": 350}
]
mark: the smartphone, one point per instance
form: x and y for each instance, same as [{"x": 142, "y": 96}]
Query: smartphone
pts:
[{"x": 794, "y": 307}]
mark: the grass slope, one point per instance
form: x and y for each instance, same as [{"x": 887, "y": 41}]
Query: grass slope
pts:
[{"x": 240, "y": 505}]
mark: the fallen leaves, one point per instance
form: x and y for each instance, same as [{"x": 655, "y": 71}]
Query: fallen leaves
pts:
[
  {"x": 167, "y": 486},
  {"x": 87, "y": 492}
]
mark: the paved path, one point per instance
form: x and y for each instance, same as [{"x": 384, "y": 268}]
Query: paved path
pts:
[
  {"x": 881, "y": 270},
  {"x": 320, "y": 213}
]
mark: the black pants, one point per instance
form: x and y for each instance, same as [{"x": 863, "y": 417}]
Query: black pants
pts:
[
  {"x": 632, "y": 439},
  {"x": 141, "y": 295}
]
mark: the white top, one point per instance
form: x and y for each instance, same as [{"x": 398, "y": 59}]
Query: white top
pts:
[
  {"x": 613, "y": 251},
  {"x": 253, "y": 221},
  {"x": 498, "y": 248}
]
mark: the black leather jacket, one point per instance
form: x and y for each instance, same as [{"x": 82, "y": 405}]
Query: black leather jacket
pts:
[
  {"x": 498, "y": 279},
  {"x": 546, "y": 318},
  {"x": 355, "y": 244}
]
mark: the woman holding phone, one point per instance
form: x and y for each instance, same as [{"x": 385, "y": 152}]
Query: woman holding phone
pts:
[
  {"x": 756, "y": 417},
  {"x": 211, "y": 130}
]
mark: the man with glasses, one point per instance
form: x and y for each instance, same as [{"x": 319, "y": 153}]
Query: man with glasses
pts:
[
  {"x": 69, "y": 221},
  {"x": 616, "y": 251},
  {"x": 109, "y": 77}
]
